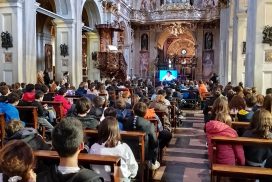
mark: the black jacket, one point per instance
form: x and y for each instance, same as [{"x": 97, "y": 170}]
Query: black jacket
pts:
[{"x": 53, "y": 175}]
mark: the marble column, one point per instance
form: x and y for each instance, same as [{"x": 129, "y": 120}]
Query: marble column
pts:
[
  {"x": 65, "y": 34},
  {"x": 11, "y": 21},
  {"x": 199, "y": 45},
  {"x": 93, "y": 46}
]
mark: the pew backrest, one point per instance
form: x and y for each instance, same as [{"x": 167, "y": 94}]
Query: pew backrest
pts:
[
  {"x": 2, "y": 129},
  {"x": 29, "y": 115}
]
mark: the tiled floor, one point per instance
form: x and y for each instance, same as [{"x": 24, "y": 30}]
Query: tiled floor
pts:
[{"x": 186, "y": 158}]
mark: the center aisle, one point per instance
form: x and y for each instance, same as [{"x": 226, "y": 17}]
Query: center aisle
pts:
[{"x": 186, "y": 159}]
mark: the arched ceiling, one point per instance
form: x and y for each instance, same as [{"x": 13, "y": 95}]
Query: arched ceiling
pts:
[{"x": 178, "y": 45}]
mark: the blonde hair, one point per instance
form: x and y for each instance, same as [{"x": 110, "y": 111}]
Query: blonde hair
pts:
[
  {"x": 261, "y": 123},
  {"x": 220, "y": 105},
  {"x": 260, "y": 99},
  {"x": 224, "y": 118}
]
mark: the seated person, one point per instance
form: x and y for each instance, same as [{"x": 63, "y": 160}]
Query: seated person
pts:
[
  {"x": 16, "y": 131},
  {"x": 260, "y": 127},
  {"x": 247, "y": 113},
  {"x": 82, "y": 89},
  {"x": 109, "y": 143},
  {"x": 99, "y": 105},
  {"x": 123, "y": 114},
  {"x": 60, "y": 97},
  {"x": 9, "y": 107},
  {"x": 110, "y": 111},
  {"x": 226, "y": 154},
  {"x": 17, "y": 162},
  {"x": 82, "y": 113},
  {"x": 29, "y": 93},
  {"x": 138, "y": 123},
  {"x": 67, "y": 140},
  {"x": 259, "y": 103}
]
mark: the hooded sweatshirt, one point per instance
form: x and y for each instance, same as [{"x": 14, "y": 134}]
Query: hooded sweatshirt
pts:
[
  {"x": 28, "y": 96},
  {"x": 226, "y": 154}
]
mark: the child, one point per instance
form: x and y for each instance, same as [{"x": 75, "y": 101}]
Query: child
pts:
[
  {"x": 109, "y": 143},
  {"x": 60, "y": 97},
  {"x": 11, "y": 112}
]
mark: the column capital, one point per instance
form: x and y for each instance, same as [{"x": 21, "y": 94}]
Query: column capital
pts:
[
  {"x": 64, "y": 23},
  {"x": 92, "y": 35}
]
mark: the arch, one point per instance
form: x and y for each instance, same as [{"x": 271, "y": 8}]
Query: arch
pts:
[
  {"x": 94, "y": 12},
  {"x": 178, "y": 45},
  {"x": 166, "y": 34}
]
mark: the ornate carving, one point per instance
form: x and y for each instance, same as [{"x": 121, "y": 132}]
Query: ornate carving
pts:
[
  {"x": 6, "y": 39},
  {"x": 267, "y": 35},
  {"x": 64, "y": 50}
]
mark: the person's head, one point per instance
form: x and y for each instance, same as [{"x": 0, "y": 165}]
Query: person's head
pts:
[
  {"x": 13, "y": 127},
  {"x": 44, "y": 89},
  {"x": 160, "y": 98},
  {"x": 161, "y": 92},
  {"x": 4, "y": 90},
  {"x": 37, "y": 86},
  {"x": 254, "y": 90},
  {"x": 67, "y": 137},
  {"x": 238, "y": 89},
  {"x": 126, "y": 94},
  {"x": 241, "y": 84},
  {"x": 268, "y": 103},
  {"x": 251, "y": 100},
  {"x": 261, "y": 123},
  {"x": 83, "y": 105},
  {"x": 200, "y": 82},
  {"x": 17, "y": 86},
  {"x": 260, "y": 99},
  {"x": 66, "y": 73},
  {"x": 16, "y": 159},
  {"x": 120, "y": 103},
  {"x": 139, "y": 109},
  {"x": 108, "y": 132},
  {"x": 62, "y": 91},
  {"x": 145, "y": 100},
  {"x": 13, "y": 98},
  {"x": 39, "y": 95},
  {"x": 29, "y": 87},
  {"x": 223, "y": 117},
  {"x": 110, "y": 111},
  {"x": 220, "y": 105},
  {"x": 169, "y": 73},
  {"x": 99, "y": 101},
  {"x": 268, "y": 91}
]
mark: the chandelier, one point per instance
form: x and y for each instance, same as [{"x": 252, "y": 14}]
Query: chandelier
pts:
[{"x": 177, "y": 29}]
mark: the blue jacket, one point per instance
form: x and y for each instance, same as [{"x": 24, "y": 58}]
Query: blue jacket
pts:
[{"x": 10, "y": 111}]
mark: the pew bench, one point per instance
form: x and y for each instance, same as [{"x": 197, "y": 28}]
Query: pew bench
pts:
[
  {"x": 58, "y": 108},
  {"x": 246, "y": 172},
  {"x": 29, "y": 115},
  {"x": 240, "y": 124},
  {"x": 113, "y": 161},
  {"x": 2, "y": 129},
  {"x": 129, "y": 134}
]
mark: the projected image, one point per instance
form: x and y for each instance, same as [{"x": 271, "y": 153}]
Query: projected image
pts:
[{"x": 168, "y": 75}]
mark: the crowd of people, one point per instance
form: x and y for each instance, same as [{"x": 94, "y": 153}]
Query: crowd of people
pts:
[{"x": 112, "y": 107}]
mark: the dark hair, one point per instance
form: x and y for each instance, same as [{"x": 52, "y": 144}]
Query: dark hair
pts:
[
  {"x": 110, "y": 111},
  {"x": 108, "y": 132},
  {"x": 62, "y": 91},
  {"x": 98, "y": 101},
  {"x": 3, "y": 83},
  {"x": 251, "y": 100},
  {"x": 120, "y": 103},
  {"x": 139, "y": 109},
  {"x": 268, "y": 91},
  {"x": 4, "y": 89},
  {"x": 23, "y": 85},
  {"x": 44, "y": 88},
  {"x": 16, "y": 159},
  {"x": 29, "y": 87},
  {"x": 161, "y": 92},
  {"x": 67, "y": 136},
  {"x": 169, "y": 72},
  {"x": 268, "y": 103},
  {"x": 13, "y": 97},
  {"x": 65, "y": 73},
  {"x": 83, "y": 105},
  {"x": 39, "y": 94},
  {"x": 38, "y": 86}
]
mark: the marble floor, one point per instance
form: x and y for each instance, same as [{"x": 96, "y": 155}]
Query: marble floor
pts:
[{"x": 186, "y": 159}]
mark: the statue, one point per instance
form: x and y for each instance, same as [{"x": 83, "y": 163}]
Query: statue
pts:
[
  {"x": 144, "y": 42},
  {"x": 267, "y": 35},
  {"x": 6, "y": 39},
  {"x": 208, "y": 40}
]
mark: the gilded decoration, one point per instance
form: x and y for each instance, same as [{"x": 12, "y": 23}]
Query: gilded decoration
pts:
[{"x": 268, "y": 56}]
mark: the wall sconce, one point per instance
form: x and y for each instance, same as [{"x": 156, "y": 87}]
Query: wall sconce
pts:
[
  {"x": 64, "y": 50},
  {"x": 6, "y": 39}
]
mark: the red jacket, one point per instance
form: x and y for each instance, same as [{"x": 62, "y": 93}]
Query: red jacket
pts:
[
  {"x": 65, "y": 103},
  {"x": 226, "y": 154},
  {"x": 28, "y": 96}
]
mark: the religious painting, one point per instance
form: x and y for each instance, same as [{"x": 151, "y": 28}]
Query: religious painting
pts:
[
  {"x": 144, "y": 42},
  {"x": 208, "y": 44},
  {"x": 144, "y": 63},
  {"x": 268, "y": 56},
  {"x": 48, "y": 57},
  {"x": 8, "y": 57},
  {"x": 207, "y": 64}
]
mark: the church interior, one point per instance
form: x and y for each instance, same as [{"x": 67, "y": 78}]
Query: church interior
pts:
[{"x": 196, "y": 66}]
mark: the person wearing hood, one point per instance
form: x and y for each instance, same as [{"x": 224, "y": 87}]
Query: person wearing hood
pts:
[
  {"x": 226, "y": 154},
  {"x": 16, "y": 131},
  {"x": 29, "y": 94}
]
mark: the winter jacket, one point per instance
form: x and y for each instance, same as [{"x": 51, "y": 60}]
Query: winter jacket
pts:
[
  {"x": 28, "y": 96},
  {"x": 202, "y": 89},
  {"x": 11, "y": 112},
  {"x": 53, "y": 175},
  {"x": 65, "y": 103},
  {"x": 81, "y": 92},
  {"x": 226, "y": 154}
]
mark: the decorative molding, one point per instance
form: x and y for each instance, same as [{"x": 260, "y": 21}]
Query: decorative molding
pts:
[{"x": 267, "y": 35}]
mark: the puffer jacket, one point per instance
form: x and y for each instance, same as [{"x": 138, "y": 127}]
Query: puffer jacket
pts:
[{"x": 226, "y": 154}]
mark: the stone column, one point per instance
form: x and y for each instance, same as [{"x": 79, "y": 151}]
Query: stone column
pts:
[
  {"x": 239, "y": 31},
  {"x": 65, "y": 34},
  {"x": 258, "y": 72},
  {"x": 11, "y": 20},
  {"x": 29, "y": 44},
  {"x": 198, "y": 47},
  {"x": 92, "y": 46}
]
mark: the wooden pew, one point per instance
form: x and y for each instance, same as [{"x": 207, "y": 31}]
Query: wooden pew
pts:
[
  {"x": 29, "y": 115},
  {"x": 247, "y": 172},
  {"x": 113, "y": 161},
  {"x": 240, "y": 124},
  {"x": 2, "y": 129},
  {"x": 58, "y": 108},
  {"x": 72, "y": 98},
  {"x": 129, "y": 134}
]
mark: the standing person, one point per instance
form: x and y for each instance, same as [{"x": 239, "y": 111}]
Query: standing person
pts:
[
  {"x": 46, "y": 78},
  {"x": 40, "y": 76},
  {"x": 67, "y": 140},
  {"x": 17, "y": 162},
  {"x": 109, "y": 143},
  {"x": 214, "y": 78},
  {"x": 66, "y": 78}
]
